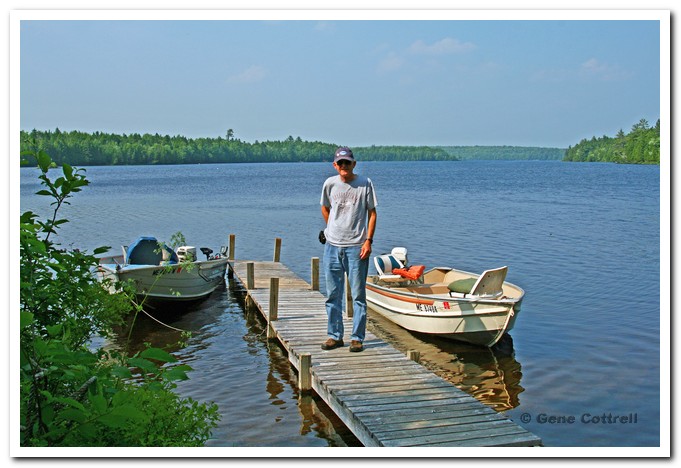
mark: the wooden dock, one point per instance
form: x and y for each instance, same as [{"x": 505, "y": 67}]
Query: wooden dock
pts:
[{"x": 385, "y": 398}]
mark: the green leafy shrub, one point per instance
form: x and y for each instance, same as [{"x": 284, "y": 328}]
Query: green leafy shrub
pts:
[{"x": 72, "y": 395}]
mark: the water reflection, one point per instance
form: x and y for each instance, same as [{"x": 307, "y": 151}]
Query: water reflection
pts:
[
  {"x": 317, "y": 418},
  {"x": 492, "y": 375},
  {"x": 162, "y": 326},
  {"x": 248, "y": 376},
  {"x": 255, "y": 387}
]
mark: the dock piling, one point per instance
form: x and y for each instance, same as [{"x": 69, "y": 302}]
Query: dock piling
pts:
[
  {"x": 414, "y": 355},
  {"x": 314, "y": 266},
  {"x": 277, "y": 249},
  {"x": 230, "y": 255},
  {"x": 304, "y": 373},
  {"x": 273, "y": 307},
  {"x": 232, "y": 242},
  {"x": 250, "y": 275}
]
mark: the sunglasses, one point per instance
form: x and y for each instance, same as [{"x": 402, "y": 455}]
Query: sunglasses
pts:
[{"x": 342, "y": 162}]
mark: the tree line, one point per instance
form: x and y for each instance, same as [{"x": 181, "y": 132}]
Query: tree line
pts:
[
  {"x": 514, "y": 153},
  {"x": 640, "y": 146},
  {"x": 97, "y": 149}
]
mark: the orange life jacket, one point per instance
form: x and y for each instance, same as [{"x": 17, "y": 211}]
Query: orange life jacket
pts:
[{"x": 413, "y": 272}]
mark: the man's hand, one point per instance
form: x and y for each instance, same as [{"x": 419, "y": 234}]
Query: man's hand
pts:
[{"x": 366, "y": 250}]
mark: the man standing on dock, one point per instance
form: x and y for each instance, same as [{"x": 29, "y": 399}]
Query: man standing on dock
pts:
[{"x": 349, "y": 210}]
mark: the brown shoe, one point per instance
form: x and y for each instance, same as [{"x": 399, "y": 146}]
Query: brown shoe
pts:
[
  {"x": 356, "y": 346},
  {"x": 332, "y": 344}
]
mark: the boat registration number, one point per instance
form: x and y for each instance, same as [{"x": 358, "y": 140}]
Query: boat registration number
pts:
[
  {"x": 427, "y": 308},
  {"x": 431, "y": 307}
]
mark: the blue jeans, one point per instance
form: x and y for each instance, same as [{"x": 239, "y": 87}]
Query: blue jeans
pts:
[{"x": 337, "y": 262}]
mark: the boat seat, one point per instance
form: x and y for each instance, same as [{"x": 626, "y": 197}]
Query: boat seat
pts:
[
  {"x": 490, "y": 284},
  {"x": 148, "y": 251},
  {"x": 384, "y": 266}
]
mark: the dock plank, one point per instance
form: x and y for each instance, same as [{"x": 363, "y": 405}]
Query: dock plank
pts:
[{"x": 381, "y": 395}]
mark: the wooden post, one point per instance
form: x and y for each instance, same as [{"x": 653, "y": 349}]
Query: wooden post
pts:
[
  {"x": 304, "y": 375},
  {"x": 314, "y": 265},
  {"x": 250, "y": 276},
  {"x": 274, "y": 307},
  {"x": 414, "y": 355},
  {"x": 277, "y": 249},
  {"x": 250, "y": 283},
  {"x": 232, "y": 241},
  {"x": 349, "y": 309},
  {"x": 230, "y": 255}
]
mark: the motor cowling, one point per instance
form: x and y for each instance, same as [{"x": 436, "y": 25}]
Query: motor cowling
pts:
[{"x": 186, "y": 253}]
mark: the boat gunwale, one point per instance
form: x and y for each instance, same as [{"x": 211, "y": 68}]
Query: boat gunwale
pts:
[{"x": 118, "y": 267}]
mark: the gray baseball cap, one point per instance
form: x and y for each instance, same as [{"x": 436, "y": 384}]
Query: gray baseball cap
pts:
[{"x": 343, "y": 153}]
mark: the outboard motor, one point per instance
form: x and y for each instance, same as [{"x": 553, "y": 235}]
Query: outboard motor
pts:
[
  {"x": 206, "y": 251},
  {"x": 186, "y": 253}
]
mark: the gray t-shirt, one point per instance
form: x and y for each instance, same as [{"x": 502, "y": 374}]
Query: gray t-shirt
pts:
[{"x": 349, "y": 203}]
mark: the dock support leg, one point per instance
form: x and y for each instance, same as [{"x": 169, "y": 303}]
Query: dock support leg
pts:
[
  {"x": 232, "y": 242},
  {"x": 304, "y": 375},
  {"x": 250, "y": 275},
  {"x": 414, "y": 355},
  {"x": 277, "y": 249},
  {"x": 314, "y": 266},
  {"x": 250, "y": 283},
  {"x": 274, "y": 307},
  {"x": 230, "y": 254}
]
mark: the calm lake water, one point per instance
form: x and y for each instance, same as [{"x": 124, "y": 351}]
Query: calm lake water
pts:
[{"x": 582, "y": 239}]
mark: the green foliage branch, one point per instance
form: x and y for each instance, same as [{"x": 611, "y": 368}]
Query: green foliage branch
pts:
[{"x": 72, "y": 395}]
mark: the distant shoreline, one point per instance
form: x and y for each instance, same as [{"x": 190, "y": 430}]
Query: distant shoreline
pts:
[
  {"x": 105, "y": 149},
  {"x": 640, "y": 146}
]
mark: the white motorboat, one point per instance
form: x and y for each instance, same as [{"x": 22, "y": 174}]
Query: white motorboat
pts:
[
  {"x": 443, "y": 301},
  {"x": 161, "y": 274}
]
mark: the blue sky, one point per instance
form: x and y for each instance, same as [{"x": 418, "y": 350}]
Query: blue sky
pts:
[{"x": 353, "y": 82}]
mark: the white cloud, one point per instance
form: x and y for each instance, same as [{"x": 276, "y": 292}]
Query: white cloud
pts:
[
  {"x": 251, "y": 74},
  {"x": 442, "y": 47},
  {"x": 590, "y": 70},
  {"x": 594, "y": 68},
  {"x": 394, "y": 61},
  {"x": 391, "y": 63}
]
